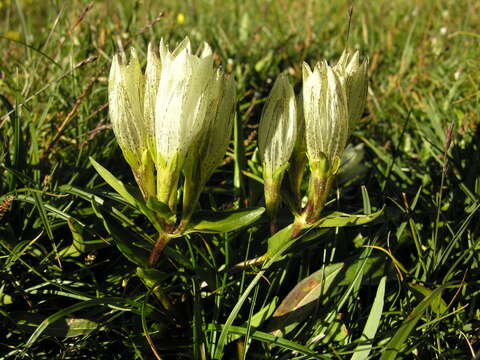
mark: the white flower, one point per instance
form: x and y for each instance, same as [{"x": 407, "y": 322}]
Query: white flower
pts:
[
  {"x": 356, "y": 81},
  {"x": 126, "y": 107},
  {"x": 152, "y": 78},
  {"x": 278, "y": 126},
  {"x": 181, "y": 104},
  {"x": 333, "y": 101},
  {"x": 326, "y": 117},
  {"x": 125, "y": 95},
  {"x": 160, "y": 116},
  {"x": 208, "y": 147},
  {"x": 276, "y": 139}
]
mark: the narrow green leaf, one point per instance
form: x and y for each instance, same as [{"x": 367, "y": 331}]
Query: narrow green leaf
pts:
[
  {"x": 5, "y": 299},
  {"x": 240, "y": 163},
  {"x": 367, "y": 208},
  {"x": 53, "y": 211},
  {"x": 18, "y": 161},
  {"x": 439, "y": 306},
  {"x": 222, "y": 340},
  {"x": 116, "y": 302},
  {"x": 362, "y": 351},
  {"x": 339, "y": 219},
  {"x": 151, "y": 277},
  {"x": 373, "y": 266},
  {"x": 123, "y": 239},
  {"x": 116, "y": 184},
  {"x": 279, "y": 239},
  {"x": 43, "y": 214},
  {"x": 302, "y": 300},
  {"x": 331, "y": 327},
  {"x": 79, "y": 327},
  {"x": 161, "y": 209},
  {"x": 79, "y": 244},
  {"x": 258, "y": 318},
  {"x": 395, "y": 345},
  {"x": 64, "y": 327},
  {"x": 223, "y": 222},
  {"x": 272, "y": 340},
  {"x": 132, "y": 196}
]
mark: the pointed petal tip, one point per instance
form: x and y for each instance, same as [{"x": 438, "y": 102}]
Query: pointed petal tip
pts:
[
  {"x": 133, "y": 53},
  {"x": 356, "y": 58},
  {"x": 306, "y": 70},
  {"x": 206, "y": 51},
  {"x": 151, "y": 48}
]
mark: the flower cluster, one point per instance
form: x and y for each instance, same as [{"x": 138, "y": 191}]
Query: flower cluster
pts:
[
  {"x": 315, "y": 128},
  {"x": 173, "y": 125},
  {"x": 176, "y": 118}
]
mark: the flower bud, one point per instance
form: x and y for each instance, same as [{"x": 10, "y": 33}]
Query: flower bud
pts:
[
  {"x": 152, "y": 79},
  {"x": 208, "y": 148},
  {"x": 126, "y": 96},
  {"x": 327, "y": 130},
  {"x": 181, "y": 106},
  {"x": 298, "y": 161},
  {"x": 356, "y": 83},
  {"x": 177, "y": 117},
  {"x": 326, "y": 117},
  {"x": 276, "y": 139}
]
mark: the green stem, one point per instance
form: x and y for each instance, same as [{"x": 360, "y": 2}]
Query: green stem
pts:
[
  {"x": 298, "y": 165},
  {"x": 191, "y": 193},
  {"x": 318, "y": 189},
  {"x": 272, "y": 201}
]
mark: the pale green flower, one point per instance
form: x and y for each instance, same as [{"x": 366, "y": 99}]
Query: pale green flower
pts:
[
  {"x": 152, "y": 78},
  {"x": 208, "y": 148},
  {"x": 277, "y": 130},
  {"x": 182, "y": 101},
  {"x": 333, "y": 99},
  {"x": 326, "y": 130},
  {"x": 157, "y": 117},
  {"x": 326, "y": 117},
  {"x": 126, "y": 107},
  {"x": 276, "y": 138},
  {"x": 356, "y": 83}
]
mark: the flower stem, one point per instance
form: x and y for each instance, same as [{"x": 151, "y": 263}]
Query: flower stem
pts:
[
  {"x": 162, "y": 240},
  {"x": 318, "y": 189}
]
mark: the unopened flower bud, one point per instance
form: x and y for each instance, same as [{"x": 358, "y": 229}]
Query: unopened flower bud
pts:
[
  {"x": 298, "y": 160},
  {"x": 326, "y": 131},
  {"x": 180, "y": 108},
  {"x": 356, "y": 83},
  {"x": 208, "y": 148},
  {"x": 126, "y": 107},
  {"x": 276, "y": 139},
  {"x": 326, "y": 117}
]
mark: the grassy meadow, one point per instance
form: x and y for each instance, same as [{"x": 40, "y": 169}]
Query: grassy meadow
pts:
[{"x": 405, "y": 285}]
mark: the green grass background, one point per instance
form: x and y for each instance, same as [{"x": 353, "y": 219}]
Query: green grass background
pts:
[{"x": 424, "y": 78}]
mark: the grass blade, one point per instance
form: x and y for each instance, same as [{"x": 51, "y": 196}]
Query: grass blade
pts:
[
  {"x": 362, "y": 351},
  {"x": 396, "y": 343}
]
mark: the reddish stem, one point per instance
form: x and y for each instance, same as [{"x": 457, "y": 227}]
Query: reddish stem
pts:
[{"x": 158, "y": 248}]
